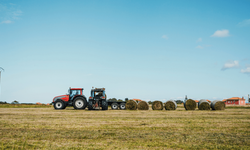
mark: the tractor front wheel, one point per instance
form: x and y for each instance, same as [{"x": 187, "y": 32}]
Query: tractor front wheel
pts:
[
  {"x": 59, "y": 104},
  {"x": 79, "y": 103}
]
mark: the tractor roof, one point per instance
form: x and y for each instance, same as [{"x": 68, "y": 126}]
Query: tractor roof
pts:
[
  {"x": 98, "y": 89},
  {"x": 76, "y": 88}
]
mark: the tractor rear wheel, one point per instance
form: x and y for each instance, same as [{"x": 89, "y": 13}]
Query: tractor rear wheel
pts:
[
  {"x": 79, "y": 103},
  {"x": 59, "y": 104},
  {"x": 114, "y": 106},
  {"x": 122, "y": 106},
  {"x": 90, "y": 105},
  {"x": 105, "y": 105}
]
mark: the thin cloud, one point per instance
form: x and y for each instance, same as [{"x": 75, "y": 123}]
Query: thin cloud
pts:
[
  {"x": 244, "y": 23},
  {"x": 6, "y": 22},
  {"x": 16, "y": 14},
  {"x": 199, "y": 40},
  {"x": 165, "y": 37},
  {"x": 9, "y": 13},
  {"x": 245, "y": 59},
  {"x": 230, "y": 64},
  {"x": 221, "y": 33},
  {"x": 199, "y": 47},
  {"x": 247, "y": 70}
]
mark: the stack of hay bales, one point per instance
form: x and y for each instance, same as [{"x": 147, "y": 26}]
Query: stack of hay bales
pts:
[
  {"x": 190, "y": 104},
  {"x": 142, "y": 105},
  {"x": 170, "y": 105},
  {"x": 131, "y": 105},
  {"x": 203, "y": 105},
  {"x": 218, "y": 105},
  {"x": 157, "y": 105}
]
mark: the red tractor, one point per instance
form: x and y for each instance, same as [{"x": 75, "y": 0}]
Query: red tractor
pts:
[{"x": 74, "y": 98}]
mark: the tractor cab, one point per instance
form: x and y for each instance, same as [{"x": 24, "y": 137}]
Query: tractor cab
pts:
[
  {"x": 97, "y": 93},
  {"x": 97, "y": 99},
  {"x": 73, "y": 92}
]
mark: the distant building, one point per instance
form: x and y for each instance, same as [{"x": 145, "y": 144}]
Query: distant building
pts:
[
  {"x": 208, "y": 101},
  {"x": 138, "y": 100},
  {"x": 235, "y": 101},
  {"x": 197, "y": 101}
]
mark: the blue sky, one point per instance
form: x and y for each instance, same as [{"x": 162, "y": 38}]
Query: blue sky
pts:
[{"x": 151, "y": 50}]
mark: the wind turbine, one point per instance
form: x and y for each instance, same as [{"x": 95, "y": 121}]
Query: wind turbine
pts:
[{"x": 1, "y": 69}]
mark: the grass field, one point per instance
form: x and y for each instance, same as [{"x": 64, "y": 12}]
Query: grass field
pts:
[
  {"x": 46, "y": 128},
  {"x": 24, "y": 106}
]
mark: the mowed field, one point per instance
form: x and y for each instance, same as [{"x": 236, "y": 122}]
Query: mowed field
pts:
[{"x": 46, "y": 128}]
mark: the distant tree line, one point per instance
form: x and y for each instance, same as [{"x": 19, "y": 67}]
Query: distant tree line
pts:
[
  {"x": 14, "y": 102},
  {"x": 179, "y": 101},
  {"x": 116, "y": 100},
  {"x": 3, "y": 102}
]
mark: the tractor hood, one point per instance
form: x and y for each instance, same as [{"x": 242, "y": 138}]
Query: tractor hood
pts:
[{"x": 62, "y": 97}]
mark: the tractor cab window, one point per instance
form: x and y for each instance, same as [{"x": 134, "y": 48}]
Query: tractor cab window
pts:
[{"x": 75, "y": 92}]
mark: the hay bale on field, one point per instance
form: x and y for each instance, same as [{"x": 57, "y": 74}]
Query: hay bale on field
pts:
[
  {"x": 203, "y": 105},
  {"x": 157, "y": 105},
  {"x": 131, "y": 105},
  {"x": 218, "y": 105},
  {"x": 170, "y": 105},
  {"x": 142, "y": 105},
  {"x": 190, "y": 104}
]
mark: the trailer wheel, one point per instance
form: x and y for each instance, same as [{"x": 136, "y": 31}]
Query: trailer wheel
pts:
[
  {"x": 59, "y": 104},
  {"x": 122, "y": 106},
  {"x": 114, "y": 106},
  {"x": 104, "y": 105},
  {"x": 80, "y": 103}
]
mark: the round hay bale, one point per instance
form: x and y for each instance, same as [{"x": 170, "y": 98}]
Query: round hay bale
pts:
[
  {"x": 203, "y": 105},
  {"x": 131, "y": 105},
  {"x": 157, "y": 105},
  {"x": 218, "y": 105},
  {"x": 190, "y": 104},
  {"x": 142, "y": 105},
  {"x": 170, "y": 105}
]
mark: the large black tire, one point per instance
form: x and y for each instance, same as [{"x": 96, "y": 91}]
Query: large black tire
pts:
[
  {"x": 90, "y": 105},
  {"x": 59, "y": 104},
  {"x": 122, "y": 106},
  {"x": 114, "y": 106},
  {"x": 105, "y": 105},
  {"x": 80, "y": 103}
]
